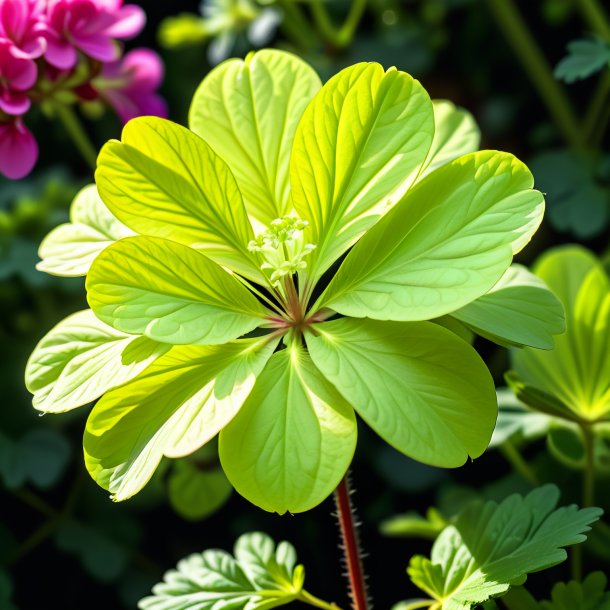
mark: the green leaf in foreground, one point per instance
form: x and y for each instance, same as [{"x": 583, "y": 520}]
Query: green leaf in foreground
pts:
[
  {"x": 259, "y": 576},
  {"x": 493, "y": 546},
  {"x": 70, "y": 248}
]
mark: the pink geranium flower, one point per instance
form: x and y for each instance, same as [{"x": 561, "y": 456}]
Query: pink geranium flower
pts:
[
  {"x": 130, "y": 85},
  {"x": 17, "y": 75},
  {"x": 18, "y": 149},
  {"x": 89, "y": 26},
  {"x": 23, "y": 23}
]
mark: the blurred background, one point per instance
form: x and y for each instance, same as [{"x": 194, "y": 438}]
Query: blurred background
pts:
[{"x": 63, "y": 543}]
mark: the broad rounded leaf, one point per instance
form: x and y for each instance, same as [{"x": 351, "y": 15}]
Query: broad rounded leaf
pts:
[
  {"x": 293, "y": 439},
  {"x": 421, "y": 388},
  {"x": 259, "y": 577},
  {"x": 69, "y": 249},
  {"x": 577, "y": 371},
  {"x": 519, "y": 310},
  {"x": 170, "y": 293},
  {"x": 165, "y": 181},
  {"x": 358, "y": 147},
  {"x": 444, "y": 245},
  {"x": 248, "y": 112},
  {"x": 456, "y": 133},
  {"x": 81, "y": 358},
  {"x": 178, "y": 404},
  {"x": 492, "y": 546}
]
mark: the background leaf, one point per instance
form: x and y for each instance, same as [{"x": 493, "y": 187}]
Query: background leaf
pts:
[
  {"x": 585, "y": 57},
  {"x": 492, "y": 546},
  {"x": 261, "y": 576}
]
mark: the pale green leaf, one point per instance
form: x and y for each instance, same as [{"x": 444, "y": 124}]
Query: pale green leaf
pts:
[
  {"x": 447, "y": 242},
  {"x": 456, "y": 133},
  {"x": 248, "y": 112},
  {"x": 178, "y": 404},
  {"x": 358, "y": 148},
  {"x": 577, "y": 372},
  {"x": 170, "y": 293},
  {"x": 69, "y": 249},
  {"x": 293, "y": 440},
  {"x": 517, "y": 423},
  {"x": 590, "y": 594},
  {"x": 413, "y": 525},
  {"x": 519, "y": 310},
  {"x": 163, "y": 180},
  {"x": 493, "y": 546},
  {"x": 422, "y": 389},
  {"x": 81, "y": 358},
  {"x": 196, "y": 493},
  {"x": 259, "y": 577}
]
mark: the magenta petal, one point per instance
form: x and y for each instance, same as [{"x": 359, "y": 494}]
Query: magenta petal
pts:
[
  {"x": 99, "y": 47},
  {"x": 60, "y": 54},
  {"x": 21, "y": 73},
  {"x": 145, "y": 68},
  {"x": 18, "y": 150},
  {"x": 14, "y": 103},
  {"x": 131, "y": 19}
]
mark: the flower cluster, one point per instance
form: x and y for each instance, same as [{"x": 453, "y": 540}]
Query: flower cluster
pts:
[{"x": 67, "y": 51}]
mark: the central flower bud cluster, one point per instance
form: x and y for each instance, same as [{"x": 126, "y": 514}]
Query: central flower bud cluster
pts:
[{"x": 282, "y": 248}]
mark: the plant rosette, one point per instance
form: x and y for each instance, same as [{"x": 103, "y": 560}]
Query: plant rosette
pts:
[{"x": 273, "y": 270}]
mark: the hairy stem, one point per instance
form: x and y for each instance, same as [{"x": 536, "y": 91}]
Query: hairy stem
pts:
[
  {"x": 351, "y": 546},
  {"x": 538, "y": 69},
  {"x": 78, "y": 135}
]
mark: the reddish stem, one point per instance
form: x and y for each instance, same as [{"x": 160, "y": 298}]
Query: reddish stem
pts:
[{"x": 351, "y": 546}]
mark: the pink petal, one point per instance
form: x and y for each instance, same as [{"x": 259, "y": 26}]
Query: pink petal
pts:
[
  {"x": 129, "y": 106},
  {"x": 21, "y": 73},
  {"x": 98, "y": 47},
  {"x": 18, "y": 150},
  {"x": 145, "y": 69},
  {"x": 14, "y": 103},
  {"x": 60, "y": 54},
  {"x": 131, "y": 19}
]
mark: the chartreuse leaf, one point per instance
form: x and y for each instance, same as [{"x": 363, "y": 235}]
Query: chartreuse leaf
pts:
[
  {"x": 358, "y": 147},
  {"x": 493, "y": 546},
  {"x": 444, "y": 245},
  {"x": 172, "y": 409},
  {"x": 260, "y": 576},
  {"x": 294, "y": 438},
  {"x": 165, "y": 181},
  {"x": 69, "y": 249},
  {"x": 81, "y": 358},
  {"x": 248, "y": 112},
  {"x": 519, "y": 310},
  {"x": 456, "y": 133},
  {"x": 422, "y": 389},
  {"x": 590, "y": 594},
  {"x": 170, "y": 293},
  {"x": 576, "y": 372}
]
